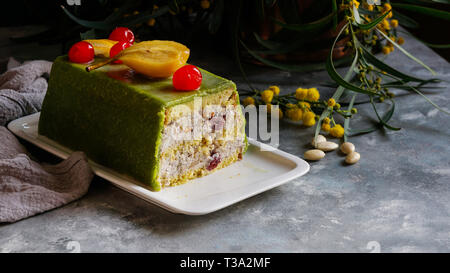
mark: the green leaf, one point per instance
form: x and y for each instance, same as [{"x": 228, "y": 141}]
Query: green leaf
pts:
[
  {"x": 90, "y": 34},
  {"x": 269, "y": 44},
  {"x": 336, "y": 77},
  {"x": 424, "y": 10},
  {"x": 347, "y": 120},
  {"x": 442, "y": 1},
  {"x": 390, "y": 113},
  {"x": 145, "y": 16},
  {"x": 405, "y": 20},
  {"x": 260, "y": 9},
  {"x": 283, "y": 66},
  {"x": 334, "y": 9},
  {"x": 89, "y": 24},
  {"x": 374, "y": 23},
  {"x": 384, "y": 67},
  {"x": 117, "y": 15},
  {"x": 355, "y": 132},
  {"x": 386, "y": 117},
  {"x": 318, "y": 25},
  {"x": 407, "y": 53},
  {"x": 290, "y": 67},
  {"x": 403, "y": 86},
  {"x": 425, "y": 2},
  {"x": 427, "y": 99},
  {"x": 435, "y": 45},
  {"x": 340, "y": 90}
]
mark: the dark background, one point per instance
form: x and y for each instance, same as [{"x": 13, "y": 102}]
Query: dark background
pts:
[{"x": 50, "y": 26}]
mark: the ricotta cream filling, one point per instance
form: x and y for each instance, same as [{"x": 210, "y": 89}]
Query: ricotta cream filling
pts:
[{"x": 200, "y": 141}]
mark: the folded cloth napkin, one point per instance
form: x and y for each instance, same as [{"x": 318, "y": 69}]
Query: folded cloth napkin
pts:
[
  {"x": 22, "y": 89},
  {"x": 27, "y": 187}
]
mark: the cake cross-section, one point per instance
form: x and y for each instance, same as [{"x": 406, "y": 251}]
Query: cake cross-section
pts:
[{"x": 142, "y": 127}]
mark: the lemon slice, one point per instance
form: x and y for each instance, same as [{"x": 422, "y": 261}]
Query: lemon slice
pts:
[
  {"x": 102, "y": 46},
  {"x": 156, "y": 59}
]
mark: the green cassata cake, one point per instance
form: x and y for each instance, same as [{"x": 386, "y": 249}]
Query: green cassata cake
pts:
[{"x": 142, "y": 127}]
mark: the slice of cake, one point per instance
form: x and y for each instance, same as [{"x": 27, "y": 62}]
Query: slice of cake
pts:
[{"x": 142, "y": 127}]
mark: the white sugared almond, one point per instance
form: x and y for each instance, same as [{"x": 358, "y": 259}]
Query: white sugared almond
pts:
[
  {"x": 352, "y": 158},
  {"x": 314, "y": 155},
  {"x": 347, "y": 148},
  {"x": 320, "y": 138},
  {"x": 327, "y": 146}
]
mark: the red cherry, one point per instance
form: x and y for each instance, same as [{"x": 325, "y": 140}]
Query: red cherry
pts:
[
  {"x": 115, "y": 49},
  {"x": 187, "y": 78},
  {"x": 122, "y": 34},
  {"x": 81, "y": 52}
]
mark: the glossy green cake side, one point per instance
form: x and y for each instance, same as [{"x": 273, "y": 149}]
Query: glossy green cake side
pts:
[{"x": 118, "y": 123}]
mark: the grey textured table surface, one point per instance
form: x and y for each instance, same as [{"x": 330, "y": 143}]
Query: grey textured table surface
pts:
[{"x": 397, "y": 197}]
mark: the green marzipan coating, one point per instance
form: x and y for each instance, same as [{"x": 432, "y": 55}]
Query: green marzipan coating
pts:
[{"x": 117, "y": 123}]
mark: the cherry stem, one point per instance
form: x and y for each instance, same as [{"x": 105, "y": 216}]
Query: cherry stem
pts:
[{"x": 100, "y": 64}]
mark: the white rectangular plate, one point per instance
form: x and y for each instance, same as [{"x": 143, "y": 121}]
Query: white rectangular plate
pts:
[{"x": 257, "y": 172}]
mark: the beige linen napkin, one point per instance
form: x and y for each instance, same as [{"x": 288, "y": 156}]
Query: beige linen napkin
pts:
[{"x": 28, "y": 187}]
